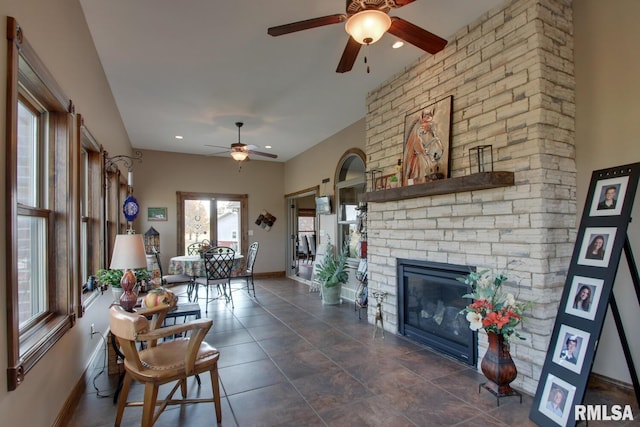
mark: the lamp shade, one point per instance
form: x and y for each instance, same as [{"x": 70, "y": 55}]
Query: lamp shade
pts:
[
  {"x": 128, "y": 252},
  {"x": 368, "y": 26}
]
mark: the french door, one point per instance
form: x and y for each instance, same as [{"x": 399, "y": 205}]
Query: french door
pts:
[{"x": 222, "y": 219}]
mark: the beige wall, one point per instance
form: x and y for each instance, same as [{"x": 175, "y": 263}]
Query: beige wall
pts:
[
  {"x": 162, "y": 174},
  {"x": 607, "y": 129}
]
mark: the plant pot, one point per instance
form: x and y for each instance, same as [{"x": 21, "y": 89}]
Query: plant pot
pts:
[
  {"x": 117, "y": 293},
  {"x": 331, "y": 295},
  {"x": 497, "y": 365}
]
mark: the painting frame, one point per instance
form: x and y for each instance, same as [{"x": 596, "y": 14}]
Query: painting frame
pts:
[
  {"x": 575, "y": 359},
  {"x": 157, "y": 214},
  {"x": 427, "y": 143},
  {"x": 591, "y": 235},
  {"x": 619, "y": 186},
  {"x": 551, "y": 384},
  {"x": 595, "y": 289}
]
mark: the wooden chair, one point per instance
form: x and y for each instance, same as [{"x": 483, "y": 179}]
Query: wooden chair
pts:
[
  {"x": 247, "y": 272},
  {"x": 158, "y": 364},
  {"x": 218, "y": 264}
]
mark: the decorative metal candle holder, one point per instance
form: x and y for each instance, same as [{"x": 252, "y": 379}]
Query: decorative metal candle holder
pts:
[{"x": 481, "y": 159}]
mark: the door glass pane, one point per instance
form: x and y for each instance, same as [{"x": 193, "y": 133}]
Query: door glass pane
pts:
[
  {"x": 229, "y": 229},
  {"x": 197, "y": 221}
]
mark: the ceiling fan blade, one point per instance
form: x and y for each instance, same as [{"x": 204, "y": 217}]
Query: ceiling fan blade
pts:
[
  {"x": 215, "y": 146},
  {"x": 417, "y": 36},
  {"x": 348, "y": 56},
  {"x": 306, "y": 24},
  {"x": 400, "y": 3},
  {"x": 260, "y": 153}
]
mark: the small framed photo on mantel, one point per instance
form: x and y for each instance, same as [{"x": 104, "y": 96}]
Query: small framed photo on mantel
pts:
[{"x": 156, "y": 214}]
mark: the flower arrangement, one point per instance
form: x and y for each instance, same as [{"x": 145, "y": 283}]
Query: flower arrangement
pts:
[{"x": 492, "y": 309}]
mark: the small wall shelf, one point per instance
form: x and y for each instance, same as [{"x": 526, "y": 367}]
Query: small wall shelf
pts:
[{"x": 476, "y": 181}]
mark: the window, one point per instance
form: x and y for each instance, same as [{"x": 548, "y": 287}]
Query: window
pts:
[
  {"x": 219, "y": 218},
  {"x": 40, "y": 210},
  {"x": 350, "y": 186},
  {"x": 91, "y": 223}
]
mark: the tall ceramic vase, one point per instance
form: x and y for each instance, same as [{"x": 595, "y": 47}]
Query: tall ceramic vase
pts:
[{"x": 497, "y": 365}]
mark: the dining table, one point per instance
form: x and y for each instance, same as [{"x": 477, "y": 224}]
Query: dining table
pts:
[{"x": 193, "y": 265}]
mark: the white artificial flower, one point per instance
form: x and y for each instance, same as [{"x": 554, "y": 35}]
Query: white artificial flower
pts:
[
  {"x": 510, "y": 300},
  {"x": 475, "y": 320}
]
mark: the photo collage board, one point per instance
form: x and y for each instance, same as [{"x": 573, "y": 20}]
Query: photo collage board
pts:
[{"x": 585, "y": 298}]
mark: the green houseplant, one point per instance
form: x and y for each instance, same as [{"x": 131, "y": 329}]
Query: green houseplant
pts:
[
  {"x": 332, "y": 272},
  {"x": 112, "y": 278}
]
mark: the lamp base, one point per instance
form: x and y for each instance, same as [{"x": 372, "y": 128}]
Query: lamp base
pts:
[{"x": 128, "y": 299}]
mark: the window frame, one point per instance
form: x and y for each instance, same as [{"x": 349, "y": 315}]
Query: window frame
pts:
[
  {"x": 91, "y": 207},
  {"x": 341, "y": 183},
  {"x": 27, "y": 74}
]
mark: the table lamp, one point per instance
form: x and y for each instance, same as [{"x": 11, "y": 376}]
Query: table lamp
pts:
[{"x": 128, "y": 253}]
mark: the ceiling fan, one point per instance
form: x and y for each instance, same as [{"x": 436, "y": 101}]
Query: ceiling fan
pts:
[
  {"x": 240, "y": 151},
  {"x": 366, "y": 22}
]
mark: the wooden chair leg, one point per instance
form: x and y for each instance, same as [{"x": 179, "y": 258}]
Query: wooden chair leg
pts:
[
  {"x": 183, "y": 388},
  {"x": 148, "y": 410},
  {"x": 215, "y": 385},
  {"x": 122, "y": 401}
]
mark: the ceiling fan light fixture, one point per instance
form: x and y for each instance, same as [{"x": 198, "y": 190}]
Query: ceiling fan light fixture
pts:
[
  {"x": 239, "y": 155},
  {"x": 368, "y": 26}
]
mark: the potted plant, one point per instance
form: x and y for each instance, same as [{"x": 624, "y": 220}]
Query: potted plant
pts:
[
  {"x": 332, "y": 273},
  {"x": 111, "y": 278}
]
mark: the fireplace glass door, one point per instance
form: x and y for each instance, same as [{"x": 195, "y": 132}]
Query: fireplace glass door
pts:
[{"x": 430, "y": 304}]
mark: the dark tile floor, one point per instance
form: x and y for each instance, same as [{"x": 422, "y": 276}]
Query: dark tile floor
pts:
[{"x": 287, "y": 360}]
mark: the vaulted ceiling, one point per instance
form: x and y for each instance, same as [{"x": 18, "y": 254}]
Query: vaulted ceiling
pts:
[{"x": 196, "y": 67}]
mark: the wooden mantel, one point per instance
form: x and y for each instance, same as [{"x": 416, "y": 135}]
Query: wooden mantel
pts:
[{"x": 476, "y": 181}]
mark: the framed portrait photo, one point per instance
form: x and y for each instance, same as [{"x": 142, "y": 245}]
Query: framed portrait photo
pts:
[
  {"x": 584, "y": 296},
  {"x": 596, "y": 246},
  {"x": 427, "y": 139},
  {"x": 608, "y": 196},
  {"x": 571, "y": 347},
  {"x": 156, "y": 214},
  {"x": 557, "y": 398}
]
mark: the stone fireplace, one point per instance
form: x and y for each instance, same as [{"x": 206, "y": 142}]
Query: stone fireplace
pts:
[
  {"x": 429, "y": 303},
  {"x": 511, "y": 78}
]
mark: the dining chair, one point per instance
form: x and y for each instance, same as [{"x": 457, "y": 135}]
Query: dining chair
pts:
[
  {"x": 169, "y": 279},
  {"x": 218, "y": 264},
  {"x": 162, "y": 363},
  {"x": 303, "y": 248},
  {"x": 194, "y": 248},
  {"x": 247, "y": 272},
  {"x": 311, "y": 243}
]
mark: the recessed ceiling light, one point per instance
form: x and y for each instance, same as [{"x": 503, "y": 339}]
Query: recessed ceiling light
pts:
[
  {"x": 267, "y": 146},
  {"x": 397, "y": 44},
  {"x": 179, "y": 137}
]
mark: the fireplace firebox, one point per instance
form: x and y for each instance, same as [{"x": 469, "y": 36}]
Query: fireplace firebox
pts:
[{"x": 429, "y": 303}]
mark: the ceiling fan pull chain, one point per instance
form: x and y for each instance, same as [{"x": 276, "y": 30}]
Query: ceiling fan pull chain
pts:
[{"x": 366, "y": 49}]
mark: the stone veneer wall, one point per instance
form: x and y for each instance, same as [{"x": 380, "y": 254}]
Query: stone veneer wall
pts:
[{"x": 511, "y": 75}]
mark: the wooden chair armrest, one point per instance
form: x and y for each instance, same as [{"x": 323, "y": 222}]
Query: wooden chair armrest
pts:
[
  {"x": 156, "y": 334},
  {"x": 157, "y": 314}
]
